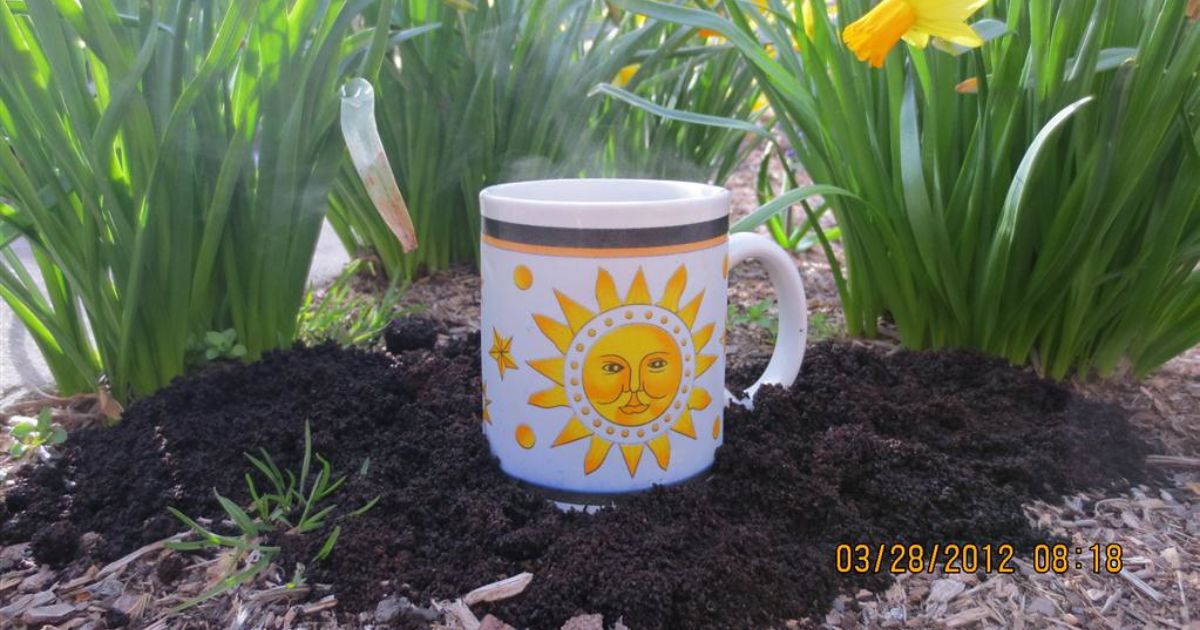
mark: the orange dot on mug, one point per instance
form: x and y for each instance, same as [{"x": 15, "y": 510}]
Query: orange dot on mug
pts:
[
  {"x": 525, "y": 436},
  {"x": 717, "y": 428},
  {"x": 522, "y": 277}
]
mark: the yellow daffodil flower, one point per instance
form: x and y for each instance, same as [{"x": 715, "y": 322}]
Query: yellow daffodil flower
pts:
[
  {"x": 806, "y": 14},
  {"x": 873, "y": 37},
  {"x": 625, "y": 75}
]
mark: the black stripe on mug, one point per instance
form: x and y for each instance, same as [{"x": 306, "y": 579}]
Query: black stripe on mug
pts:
[{"x": 605, "y": 238}]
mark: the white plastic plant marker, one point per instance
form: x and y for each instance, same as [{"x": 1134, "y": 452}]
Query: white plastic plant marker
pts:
[{"x": 371, "y": 162}]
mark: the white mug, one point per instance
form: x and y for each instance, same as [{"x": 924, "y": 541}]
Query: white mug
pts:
[{"x": 604, "y": 304}]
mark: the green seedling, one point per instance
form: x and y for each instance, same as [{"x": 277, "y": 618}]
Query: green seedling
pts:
[
  {"x": 757, "y": 315},
  {"x": 294, "y": 504},
  {"x": 821, "y": 327},
  {"x": 31, "y": 434},
  {"x": 222, "y": 345}
]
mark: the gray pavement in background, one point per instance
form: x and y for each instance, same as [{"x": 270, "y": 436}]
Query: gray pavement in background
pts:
[{"x": 21, "y": 365}]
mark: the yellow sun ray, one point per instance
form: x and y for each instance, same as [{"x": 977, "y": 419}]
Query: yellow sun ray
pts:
[
  {"x": 688, "y": 313},
  {"x": 684, "y": 425},
  {"x": 703, "y": 362},
  {"x": 661, "y": 447},
  {"x": 702, "y": 336},
  {"x": 633, "y": 455},
  {"x": 551, "y": 368},
  {"x": 699, "y": 399},
  {"x": 556, "y": 332},
  {"x": 577, "y": 315},
  {"x": 606, "y": 291},
  {"x": 639, "y": 293},
  {"x": 573, "y": 432},
  {"x": 674, "y": 290},
  {"x": 549, "y": 398},
  {"x": 597, "y": 453}
]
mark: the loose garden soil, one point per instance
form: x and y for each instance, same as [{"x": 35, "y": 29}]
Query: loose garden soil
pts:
[{"x": 867, "y": 447}]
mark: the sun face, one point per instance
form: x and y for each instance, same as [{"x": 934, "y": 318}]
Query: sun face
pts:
[
  {"x": 632, "y": 373},
  {"x": 626, "y": 371}
]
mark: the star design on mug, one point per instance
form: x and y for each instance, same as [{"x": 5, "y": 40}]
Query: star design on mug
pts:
[
  {"x": 501, "y": 352},
  {"x": 486, "y": 415},
  {"x": 625, "y": 372}
]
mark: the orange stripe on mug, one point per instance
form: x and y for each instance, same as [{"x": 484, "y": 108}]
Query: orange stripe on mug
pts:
[{"x": 604, "y": 252}]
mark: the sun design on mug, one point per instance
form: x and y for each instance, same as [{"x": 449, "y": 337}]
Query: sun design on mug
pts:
[{"x": 627, "y": 372}]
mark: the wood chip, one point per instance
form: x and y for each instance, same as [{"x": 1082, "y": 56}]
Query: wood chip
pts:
[
  {"x": 38, "y": 581},
  {"x": 10, "y": 583},
  {"x": 966, "y": 618},
  {"x": 1171, "y": 556},
  {"x": 48, "y": 614},
  {"x": 1141, "y": 585},
  {"x": 496, "y": 591},
  {"x": 584, "y": 622},
  {"x": 1173, "y": 461},
  {"x": 458, "y": 613},
  {"x": 24, "y": 603},
  {"x": 490, "y": 622},
  {"x": 328, "y": 603},
  {"x": 87, "y": 578},
  {"x": 944, "y": 590},
  {"x": 119, "y": 565},
  {"x": 262, "y": 598},
  {"x": 132, "y": 605}
]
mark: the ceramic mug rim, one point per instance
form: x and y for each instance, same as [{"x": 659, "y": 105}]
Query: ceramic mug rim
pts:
[{"x": 604, "y": 203}]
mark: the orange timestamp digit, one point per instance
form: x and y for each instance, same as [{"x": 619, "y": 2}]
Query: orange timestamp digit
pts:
[
  {"x": 897, "y": 558},
  {"x": 1060, "y": 558}
]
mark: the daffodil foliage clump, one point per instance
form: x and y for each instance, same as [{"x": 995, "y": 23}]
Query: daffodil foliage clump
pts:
[
  {"x": 168, "y": 164},
  {"x": 1020, "y": 176}
]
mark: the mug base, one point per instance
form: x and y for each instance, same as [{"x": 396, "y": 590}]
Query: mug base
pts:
[{"x": 589, "y": 502}]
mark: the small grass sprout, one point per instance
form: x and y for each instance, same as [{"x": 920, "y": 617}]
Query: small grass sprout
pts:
[
  {"x": 293, "y": 504},
  {"x": 29, "y": 435},
  {"x": 345, "y": 315}
]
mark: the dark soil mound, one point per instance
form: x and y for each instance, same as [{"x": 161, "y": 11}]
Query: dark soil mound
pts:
[{"x": 912, "y": 448}]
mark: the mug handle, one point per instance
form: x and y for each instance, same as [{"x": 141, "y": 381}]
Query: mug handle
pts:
[{"x": 788, "y": 354}]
